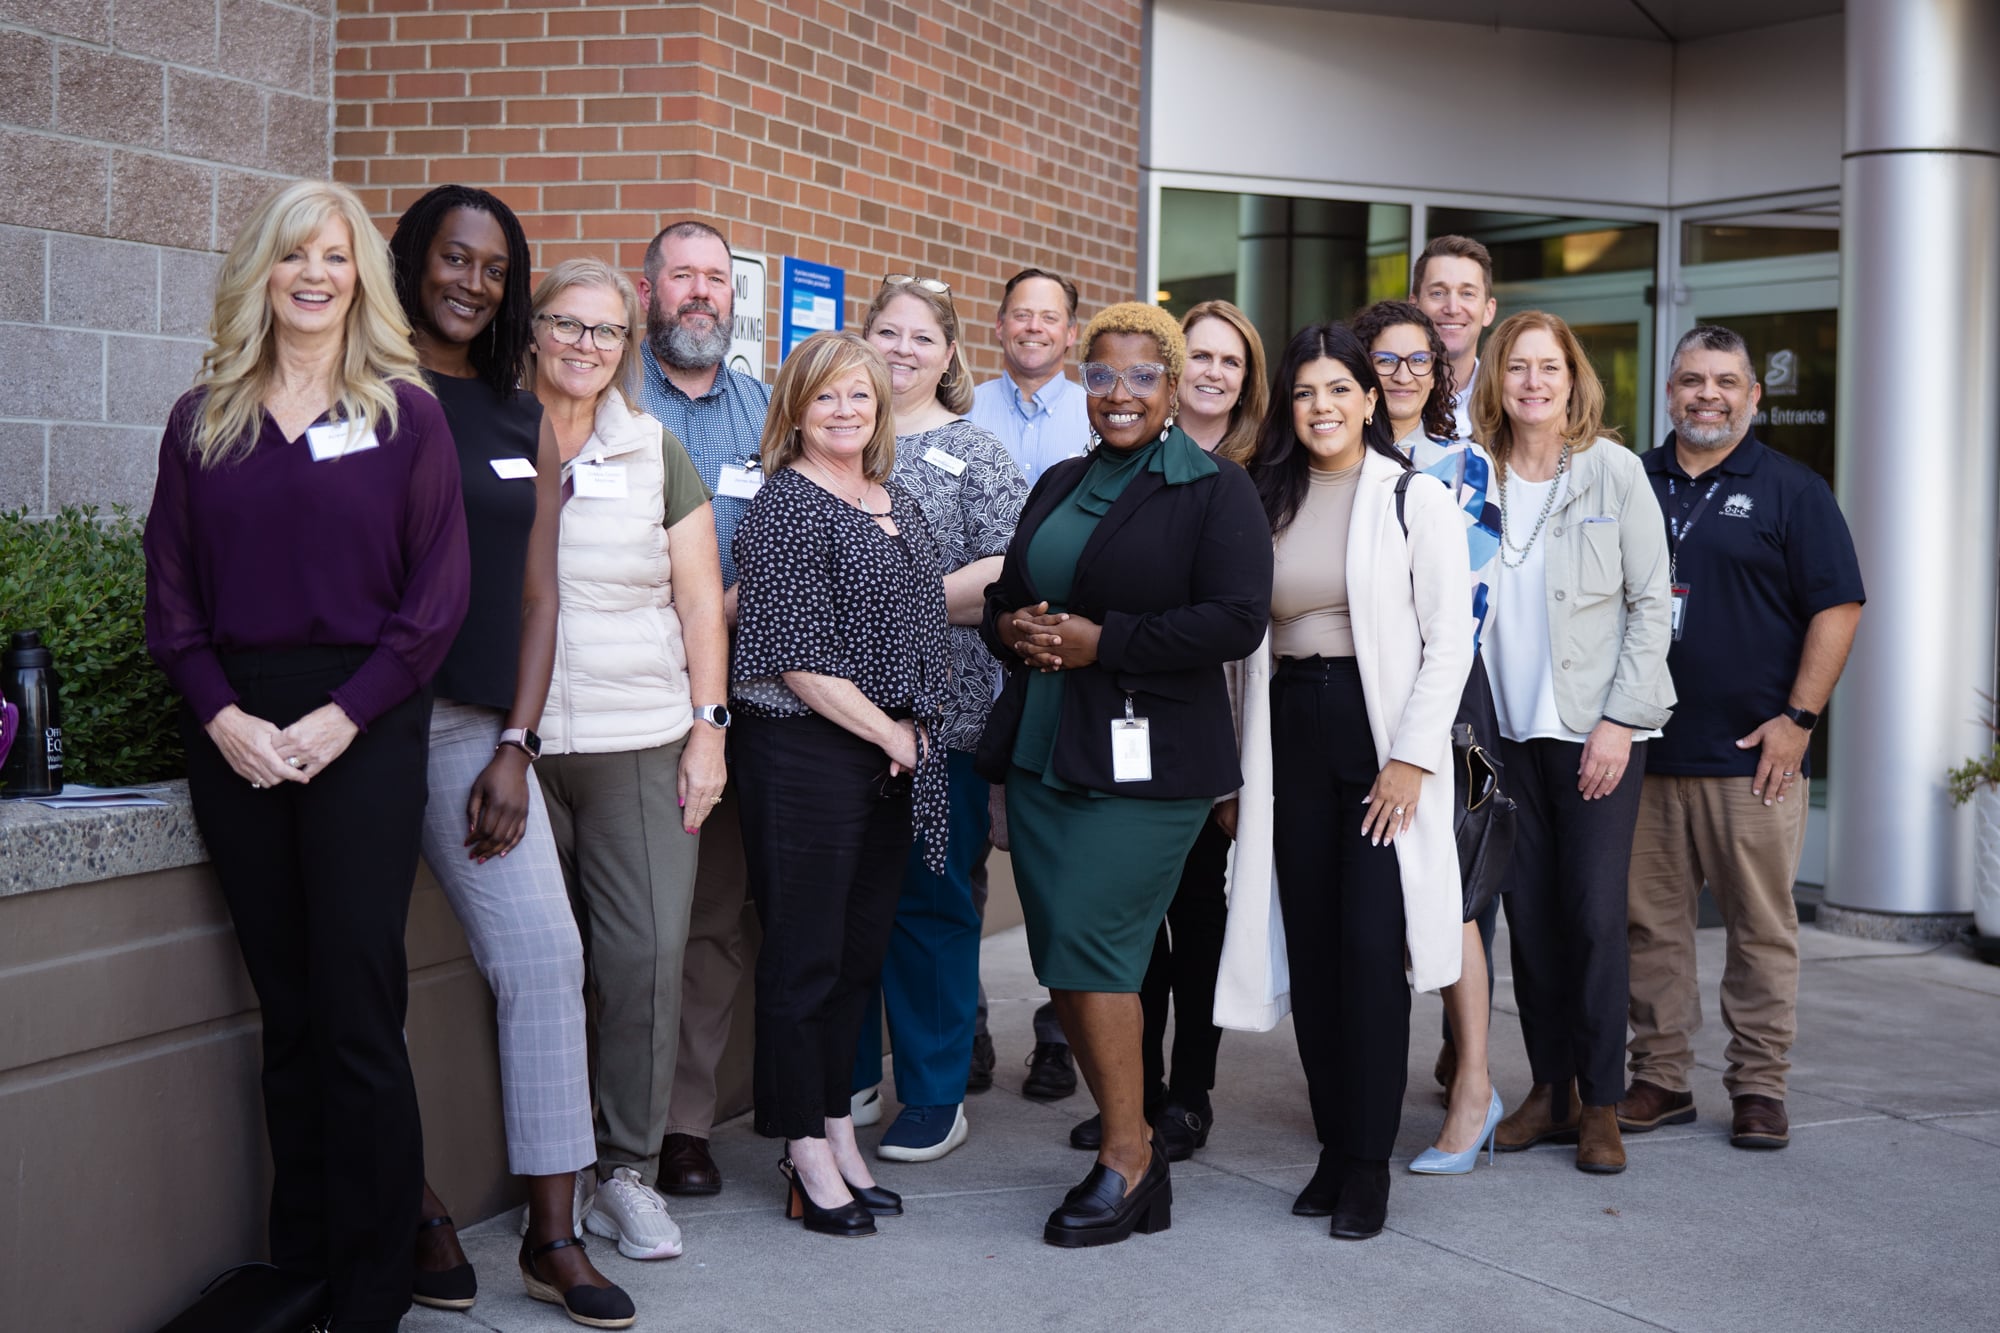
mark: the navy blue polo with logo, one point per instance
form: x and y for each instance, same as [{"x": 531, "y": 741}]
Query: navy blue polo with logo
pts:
[{"x": 1768, "y": 551}]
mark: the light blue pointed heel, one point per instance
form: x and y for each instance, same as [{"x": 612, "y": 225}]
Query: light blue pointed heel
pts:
[{"x": 1431, "y": 1162}]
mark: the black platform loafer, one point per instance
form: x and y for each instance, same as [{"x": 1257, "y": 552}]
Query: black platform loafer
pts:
[{"x": 1099, "y": 1211}]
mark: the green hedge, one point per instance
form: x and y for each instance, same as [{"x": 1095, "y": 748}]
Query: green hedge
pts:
[{"x": 81, "y": 580}]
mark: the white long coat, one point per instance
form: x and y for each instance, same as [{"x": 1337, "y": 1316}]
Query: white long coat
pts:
[{"x": 1413, "y": 632}]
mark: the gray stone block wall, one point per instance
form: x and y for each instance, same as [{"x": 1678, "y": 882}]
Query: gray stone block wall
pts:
[{"x": 134, "y": 136}]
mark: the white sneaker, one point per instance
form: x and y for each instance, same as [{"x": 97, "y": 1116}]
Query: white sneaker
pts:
[
  {"x": 577, "y": 1206},
  {"x": 866, "y": 1107},
  {"x": 632, "y": 1213}
]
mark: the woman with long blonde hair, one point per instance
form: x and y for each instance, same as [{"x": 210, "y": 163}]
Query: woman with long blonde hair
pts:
[{"x": 306, "y": 572}]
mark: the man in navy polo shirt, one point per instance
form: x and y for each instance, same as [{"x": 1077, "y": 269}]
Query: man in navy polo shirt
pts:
[{"x": 1767, "y": 594}]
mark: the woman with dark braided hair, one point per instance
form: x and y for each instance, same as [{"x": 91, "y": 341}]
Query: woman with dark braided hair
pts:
[{"x": 462, "y": 267}]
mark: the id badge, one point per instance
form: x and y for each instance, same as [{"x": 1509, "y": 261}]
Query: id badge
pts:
[
  {"x": 599, "y": 481},
  {"x": 938, "y": 458},
  {"x": 513, "y": 469},
  {"x": 1680, "y": 596},
  {"x": 337, "y": 439},
  {"x": 1131, "y": 747},
  {"x": 740, "y": 481}
]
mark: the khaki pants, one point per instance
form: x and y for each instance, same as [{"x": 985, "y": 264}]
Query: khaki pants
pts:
[
  {"x": 710, "y": 970},
  {"x": 1693, "y": 830}
]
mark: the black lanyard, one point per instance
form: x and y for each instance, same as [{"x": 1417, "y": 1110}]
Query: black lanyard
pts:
[{"x": 1677, "y": 531}]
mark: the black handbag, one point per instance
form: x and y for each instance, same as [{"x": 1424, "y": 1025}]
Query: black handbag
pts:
[
  {"x": 1482, "y": 812},
  {"x": 257, "y": 1298}
]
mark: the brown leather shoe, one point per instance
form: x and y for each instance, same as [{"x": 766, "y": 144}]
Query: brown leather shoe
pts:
[
  {"x": 1648, "y": 1106},
  {"x": 1538, "y": 1120},
  {"x": 686, "y": 1168},
  {"x": 1760, "y": 1122},
  {"x": 1599, "y": 1149}
]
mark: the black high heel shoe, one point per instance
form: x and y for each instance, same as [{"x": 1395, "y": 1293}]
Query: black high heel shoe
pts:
[
  {"x": 850, "y": 1219},
  {"x": 454, "y": 1288},
  {"x": 593, "y": 1307},
  {"x": 878, "y": 1201},
  {"x": 1099, "y": 1211}
]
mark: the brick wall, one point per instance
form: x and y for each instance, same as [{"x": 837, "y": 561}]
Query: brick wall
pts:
[
  {"x": 134, "y": 134},
  {"x": 959, "y": 139}
]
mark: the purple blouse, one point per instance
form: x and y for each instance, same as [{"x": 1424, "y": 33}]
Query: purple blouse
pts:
[{"x": 277, "y": 551}]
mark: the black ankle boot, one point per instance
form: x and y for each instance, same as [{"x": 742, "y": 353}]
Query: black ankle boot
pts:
[
  {"x": 1364, "y": 1200},
  {"x": 1322, "y": 1192},
  {"x": 1182, "y": 1125}
]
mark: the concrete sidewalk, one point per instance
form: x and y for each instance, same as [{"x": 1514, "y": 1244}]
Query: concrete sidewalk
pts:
[{"x": 1883, "y": 1214}]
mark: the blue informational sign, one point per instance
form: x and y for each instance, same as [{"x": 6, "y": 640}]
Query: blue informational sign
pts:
[{"x": 813, "y": 301}]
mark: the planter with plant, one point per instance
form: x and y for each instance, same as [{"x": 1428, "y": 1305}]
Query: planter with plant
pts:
[
  {"x": 80, "y": 579},
  {"x": 1976, "y": 782}
]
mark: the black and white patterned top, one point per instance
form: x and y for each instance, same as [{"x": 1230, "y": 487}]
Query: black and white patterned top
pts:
[
  {"x": 823, "y": 589},
  {"x": 972, "y": 512}
]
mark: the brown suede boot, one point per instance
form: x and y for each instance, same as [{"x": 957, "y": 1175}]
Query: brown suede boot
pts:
[
  {"x": 1540, "y": 1119},
  {"x": 1599, "y": 1149}
]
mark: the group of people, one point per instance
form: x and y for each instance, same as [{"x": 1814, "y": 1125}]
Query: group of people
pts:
[{"x": 524, "y": 581}]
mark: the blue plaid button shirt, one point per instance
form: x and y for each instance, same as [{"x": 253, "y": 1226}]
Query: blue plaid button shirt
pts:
[{"x": 723, "y": 426}]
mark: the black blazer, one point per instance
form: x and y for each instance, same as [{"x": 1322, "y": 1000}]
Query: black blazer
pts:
[{"x": 1180, "y": 579}]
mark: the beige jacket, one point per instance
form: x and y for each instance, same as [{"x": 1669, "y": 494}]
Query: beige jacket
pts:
[{"x": 1610, "y": 614}]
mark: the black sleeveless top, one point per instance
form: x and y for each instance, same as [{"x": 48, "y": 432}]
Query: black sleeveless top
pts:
[{"x": 499, "y": 512}]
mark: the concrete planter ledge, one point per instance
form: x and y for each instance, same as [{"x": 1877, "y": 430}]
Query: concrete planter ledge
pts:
[{"x": 42, "y": 848}]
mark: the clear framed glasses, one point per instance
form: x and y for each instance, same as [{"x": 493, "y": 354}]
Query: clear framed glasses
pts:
[
  {"x": 1143, "y": 379},
  {"x": 931, "y": 285},
  {"x": 569, "y": 332},
  {"x": 1420, "y": 363}
]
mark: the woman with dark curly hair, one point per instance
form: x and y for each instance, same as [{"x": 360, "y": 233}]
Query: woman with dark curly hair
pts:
[
  {"x": 462, "y": 272},
  {"x": 1136, "y": 572}
]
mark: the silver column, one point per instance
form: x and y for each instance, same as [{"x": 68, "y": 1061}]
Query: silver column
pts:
[{"x": 1918, "y": 432}]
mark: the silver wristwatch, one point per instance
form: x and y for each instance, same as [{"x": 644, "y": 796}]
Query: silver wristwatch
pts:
[{"x": 716, "y": 715}]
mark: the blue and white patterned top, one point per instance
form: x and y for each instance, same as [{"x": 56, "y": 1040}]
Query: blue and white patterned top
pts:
[
  {"x": 1467, "y": 473},
  {"x": 723, "y": 426}
]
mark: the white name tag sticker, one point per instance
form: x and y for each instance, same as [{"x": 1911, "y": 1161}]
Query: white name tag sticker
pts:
[
  {"x": 1131, "y": 750},
  {"x": 599, "y": 481},
  {"x": 514, "y": 469},
  {"x": 337, "y": 439},
  {"x": 938, "y": 458},
  {"x": 740, "y": 481}
]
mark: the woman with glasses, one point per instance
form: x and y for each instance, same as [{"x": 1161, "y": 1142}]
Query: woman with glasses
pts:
[
  {"x": 632, "y": 737},
  {"x": 1346, "y": 816},
  {"x": 839, "y": 681},
  {"x": 1576, "y": 648},
  {"x": 461, "y": 264},
  {"x": 971, "y": 492},
  {"x": 1137, "y": 571},
  {"x": 1409, "y": 358}
]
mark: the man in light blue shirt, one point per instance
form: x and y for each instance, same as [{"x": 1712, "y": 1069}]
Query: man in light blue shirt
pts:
[
  {"x": 1034, "y": 410},
  {"x": 1452, "y": 283}
]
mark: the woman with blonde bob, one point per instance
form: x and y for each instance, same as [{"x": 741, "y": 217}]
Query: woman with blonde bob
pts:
[
  {"x": 837, "y": 692},
  {"x": 1575, "y": 645},
  {"x": 306, "y": 572},
  {"x": 632, "y": 734}
]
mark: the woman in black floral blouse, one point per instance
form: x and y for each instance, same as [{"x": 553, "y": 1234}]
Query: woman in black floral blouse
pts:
[
  {"x": 971, "y": 492},
  {"x": 838, "y": 687}
]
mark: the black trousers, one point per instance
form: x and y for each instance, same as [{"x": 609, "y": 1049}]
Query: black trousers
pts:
[
  {"x": 1342, "y": 902},
  {"x": 317, "y": 876},
  {"x": 1566, "y": 915},
  {"x": 826, "y": 836},
  {"x": 1187, "y": 954}
]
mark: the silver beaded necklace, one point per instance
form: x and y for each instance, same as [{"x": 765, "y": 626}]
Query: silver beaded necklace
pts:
[{"x": 1548, "y": 507}]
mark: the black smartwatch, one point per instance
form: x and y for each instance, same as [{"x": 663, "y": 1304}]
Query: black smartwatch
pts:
[
  {"x": 522, "y": 739},
  {"x": 1803, "y": 718}
]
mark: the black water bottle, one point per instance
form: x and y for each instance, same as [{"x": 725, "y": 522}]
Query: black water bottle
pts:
[{"x": 28, "y": 679}]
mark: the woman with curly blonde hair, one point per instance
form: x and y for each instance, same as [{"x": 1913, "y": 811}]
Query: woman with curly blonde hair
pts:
[
  {"x": 1136, "y": 572},
  {"x": 306, "y": 571}
]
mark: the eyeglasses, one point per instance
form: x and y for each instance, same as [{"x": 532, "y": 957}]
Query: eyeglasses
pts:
[
  {"x": 1143, "y": 379},
  {"x": 931, "y": 285},
  {"x": 1420, "y": 363},
  {"x": 569, "y": 332}
]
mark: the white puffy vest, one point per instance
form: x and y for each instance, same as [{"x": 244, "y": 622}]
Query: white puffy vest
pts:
[{"x": 621, "y": 676}]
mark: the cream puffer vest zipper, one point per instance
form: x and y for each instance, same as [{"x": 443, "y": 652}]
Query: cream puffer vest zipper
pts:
[{"x": 621, "y": 677}]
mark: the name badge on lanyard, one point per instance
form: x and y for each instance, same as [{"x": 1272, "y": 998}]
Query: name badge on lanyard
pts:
[
  {"x": 1131, "y": 747},
  {"x": 1677, "y": 532},
  {"x": 740, "y": 481},
  {"x": 599, "y": 481}
]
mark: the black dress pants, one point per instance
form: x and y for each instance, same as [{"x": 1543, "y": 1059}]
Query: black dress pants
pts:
[
  {"x": 317, "y": 876},
  {"x": 1342, "y": 902},
  {"x": 1187, "y": 955},
  {"x": 1566, "y": 915},
  {"x": 826, "y": 837}
]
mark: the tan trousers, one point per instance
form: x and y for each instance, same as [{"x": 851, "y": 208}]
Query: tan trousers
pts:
[
  {"x": 1714, "y": 829},
  {"x": 710, "y": 970}
]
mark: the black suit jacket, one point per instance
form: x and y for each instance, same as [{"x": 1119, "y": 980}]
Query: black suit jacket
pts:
[{"x": 1180, "y": 579}]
